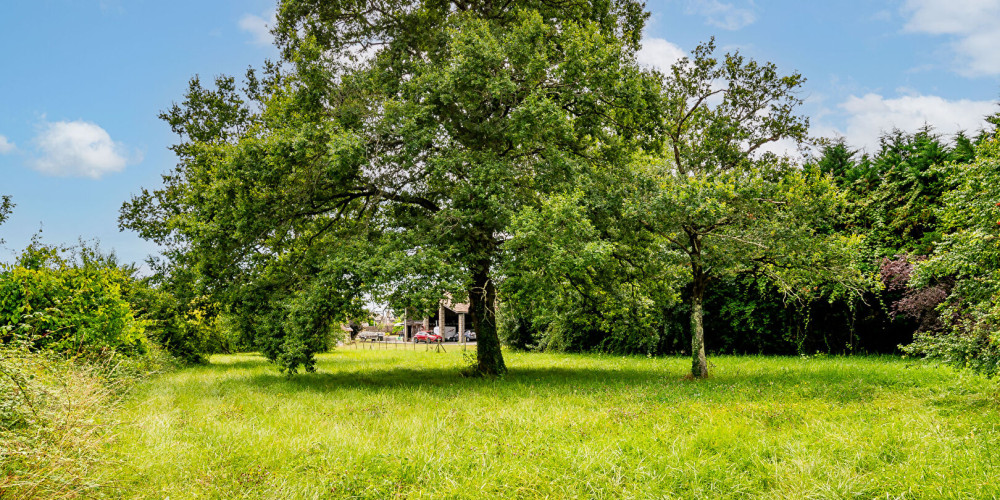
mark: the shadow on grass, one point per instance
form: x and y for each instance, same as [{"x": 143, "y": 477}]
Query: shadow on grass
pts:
[
  {"x": 255, "y": 362},
  {"x": 654, "y": 381}
]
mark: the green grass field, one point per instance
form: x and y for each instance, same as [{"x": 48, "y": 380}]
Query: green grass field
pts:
[{"x": 387, "y": 424}]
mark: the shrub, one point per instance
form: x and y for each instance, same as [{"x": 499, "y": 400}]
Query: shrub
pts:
[
  {"x": 919, "y": 303},
  {"x": 185, "y": 334},
  {"x": 67, "y": 307}
]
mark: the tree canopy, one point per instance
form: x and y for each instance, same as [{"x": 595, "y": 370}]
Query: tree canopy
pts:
[
  {"x": 707, "y": 202},
  {"x": 517, "y": 156},
  {"x": 385, "y": 159}
]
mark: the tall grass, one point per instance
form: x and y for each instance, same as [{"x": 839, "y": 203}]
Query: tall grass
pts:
[
  {"x": 404, "y": 424},
  {"x": 57, "y": 415}
]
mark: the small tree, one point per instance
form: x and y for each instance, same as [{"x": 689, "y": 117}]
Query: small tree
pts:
[{"x": 721, "y": 203}]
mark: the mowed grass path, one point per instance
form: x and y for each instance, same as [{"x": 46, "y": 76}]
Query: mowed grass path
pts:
[{"x": 388, "y": 424}]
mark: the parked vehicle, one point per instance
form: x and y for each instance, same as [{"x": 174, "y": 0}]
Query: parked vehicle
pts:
[
  {"x": 453, "y": 336},
  {"x": 449, "y": 333},
  {"x": 371, "y": 336},
  {"x": 425, "y": 336}
]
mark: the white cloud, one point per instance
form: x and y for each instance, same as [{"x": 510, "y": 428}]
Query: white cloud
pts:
[
  {"x": 871, "y": 115},
  {"x": 659, "y": 53},
  {"x": 884, "y": 15},
  {"x": 6, "y": 146},
  {"x": 723, "y": 15},
  {"x": 782, "y": 147},
  {"x": 974, "y": 26},
  {"x": 259, "y": 27},
  {"x": 78, "y": 149}
]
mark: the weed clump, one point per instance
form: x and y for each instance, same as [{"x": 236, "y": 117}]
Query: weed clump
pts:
[{"x": 57, "y": 414}]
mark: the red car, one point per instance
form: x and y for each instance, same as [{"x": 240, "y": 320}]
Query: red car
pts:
[{"x": 425, "y": 336}]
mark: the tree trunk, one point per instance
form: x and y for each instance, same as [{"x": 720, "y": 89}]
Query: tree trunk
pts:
[
  {"x": 699, "y": 365},
  {"x": 482, "y": 305}
]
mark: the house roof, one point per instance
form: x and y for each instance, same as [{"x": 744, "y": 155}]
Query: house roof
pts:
[{"x": 459, "y": 308}]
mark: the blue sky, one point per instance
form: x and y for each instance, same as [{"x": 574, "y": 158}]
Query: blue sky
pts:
[{"x": 82, "y": 83}]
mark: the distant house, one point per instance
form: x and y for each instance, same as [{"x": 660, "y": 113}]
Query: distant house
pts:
[{"x": 450, "y": 314}]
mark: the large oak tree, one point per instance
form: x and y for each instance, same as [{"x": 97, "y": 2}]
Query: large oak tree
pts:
[{"x": 387, "y": 157}]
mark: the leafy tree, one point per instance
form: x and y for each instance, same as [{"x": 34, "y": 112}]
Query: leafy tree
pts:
[
  {"x": 895, "y": 196},
  {"x": 722, "y": 205},
  {"x": 5, "y": 208},
  {"x": 388, "y": 161},
  {"x": 968, "y": 255},
  {"x": 185, "y": 324},
  {"x": 895, "y": 193}
]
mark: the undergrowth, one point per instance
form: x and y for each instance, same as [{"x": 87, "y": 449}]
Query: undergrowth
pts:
[{"x": 57, "y": 415}]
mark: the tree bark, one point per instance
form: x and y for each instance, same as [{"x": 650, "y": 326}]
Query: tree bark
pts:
[
  {"x": 699, "y": 365},
  {"x": 482, "y": 305}
]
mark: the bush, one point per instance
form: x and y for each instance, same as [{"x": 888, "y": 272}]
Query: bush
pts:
[
  {"x": 74, "y": 308},
  {"x": 187, "y": 334}
]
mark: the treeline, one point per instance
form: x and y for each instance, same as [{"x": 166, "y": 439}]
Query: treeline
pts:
[{"x": 901, "y": 199}]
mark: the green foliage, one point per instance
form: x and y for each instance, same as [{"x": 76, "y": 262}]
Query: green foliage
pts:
[
  {"x": 312, "y": 316},
  {"x": 516, "y": 329},
  {"x": 19, "y": 406},
  {"x": 773, "y": 220},
  {"x": 577, "y": 280},
  {"x": 516, "y": 154},
  {"x": 76, "y": 308},
  {"x": 896, "y": 193},
  {"x": 70, "y": 346},
  {"x": 81, "y": 302},
  {"x": 930, "y": 205},
  {"x": 184, "y": 334},
  {"x": 969, "y": 253},
  {"x": 603, "y": 265},
  {"x": 749, "y": 314},
  {"x": 720, "y": 205},
  {"x": 5, "y": 208}
]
